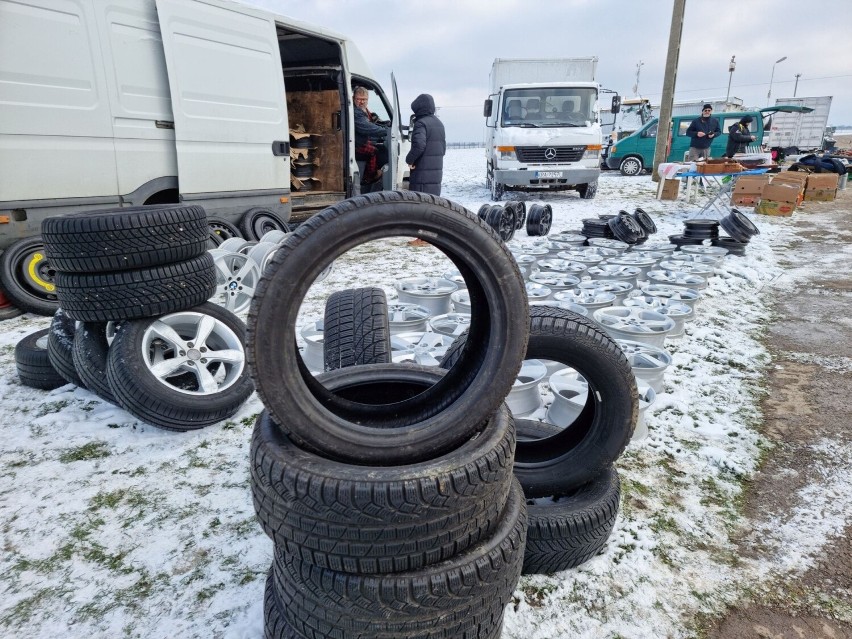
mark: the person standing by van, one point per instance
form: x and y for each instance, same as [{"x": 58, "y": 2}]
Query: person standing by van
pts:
[
  {"x": 428, "y": 146},
  {"x": 702, "y": 131},
  {"x": 738, "y": 136}
]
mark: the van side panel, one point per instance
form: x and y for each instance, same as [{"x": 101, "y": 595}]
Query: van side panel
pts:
[
  {"x": 135, "y": 70},
  {"x": 227, "y": 87},
  {"x": 54, "y": 108}
]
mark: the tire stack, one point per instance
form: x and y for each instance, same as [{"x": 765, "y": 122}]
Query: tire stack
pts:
[
  {"x": 626, "y": 228},
  {"x": 596, "y": 227},
  {"x": 695, "y": 231},
  {"x": 134, "y": 325},
  {"x": 387, "y": 488},
  {"x": 740, "y": 230}
]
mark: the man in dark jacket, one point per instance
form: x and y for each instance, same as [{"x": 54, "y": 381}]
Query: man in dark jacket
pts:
[
  {"x": 428, "y": 145},
  {"x": 368, "y": 132},
  {"x": 703, "y": 130},
  {"x": 738, "y": 136}
]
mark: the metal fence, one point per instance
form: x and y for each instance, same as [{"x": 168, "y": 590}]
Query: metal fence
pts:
[{"x": 465, "y": 145}]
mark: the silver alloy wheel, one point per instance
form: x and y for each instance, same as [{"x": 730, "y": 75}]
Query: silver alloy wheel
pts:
[
  {"x": 232, "y": 244},
  {"x": 605, "y": 242},
  {"x": 648, "y": 362},
  {"x": 570, "y": 392},
  {"x": 619, "y": 272},
  {"x": 554, "y": 247},
  {"x": 313, "y": 352},
  {"x": 556, "y": 265},
  {"x": 647, "y": 396},
  {"x": 702, "y": 270},
  {"x": 678, "y": 311},
  {"x": 656, "y": 247},
  {"x": 693, "y": 258},
  {"x": 405, "y": 317},
  {"x": 431, "y": 292},
  {"x": 452, "y": 324},
  {"x": 461, "y": 301},
  {"x": 525, "y": 396},
  {"x": 537, "y": 291},
  {"x": 574, "y": 239},
  {"x": 689, "y": 296},
  {"x": 527, "y": 261},
  {"x": 581, "y": 256},
  {"x": 276, "y": 236},
  {"x": 637, "y": 324},
  {"x": 590, "y": 299},
  {"x": 555, "y": 281},
  {"x": 426, "y": 349},
  {"x": 262, "y": 252},
  {"x": 456, "y": 278},
  {"x": 197, "y": 345},
  {"x": 619, "y": 288},
  {"x": 236, "y": 279},
  {"x": 644, "y": 262},
  {"x": 705, "y": 250},
  {"x": 677, "y": 278}
]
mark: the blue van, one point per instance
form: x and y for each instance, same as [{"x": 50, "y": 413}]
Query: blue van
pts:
[{"x": 635, "y": 153}]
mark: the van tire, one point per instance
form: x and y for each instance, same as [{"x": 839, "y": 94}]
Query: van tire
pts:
[
  {"x": 90, "y": 353},
  {"x": 259, "y": 220},
  {"x": 588, "y": 191},
  {"x": 32, "y": 294},
  {"x": 60, "y": 347},
  {"x": 631, "y": 165},
  {"x": 33, "y": 362},
  {"x": 221, "y": 230},
  {"x": 356, "y": 328},
  {"x": 352, "y": 519},
  {"x": 442, "y": 416},
  {"x": 138, "y": 293}
]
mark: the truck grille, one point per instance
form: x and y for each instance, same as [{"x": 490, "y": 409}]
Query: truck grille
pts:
[{"x": 536, "y": 154}]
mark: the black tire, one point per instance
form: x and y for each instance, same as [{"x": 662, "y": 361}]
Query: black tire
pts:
[
  {"x": 176, "y": 402},
  {"x": 736, "y": 232},
  {"x": 33, "y": 362},
  {"x": 136, "y": 294},
  {"x": 625, "y": 228},
  {"x": 257, "y": 221},
  {"x": 60, "y": 347},
  {"x": 700, "y": 228},
  {"x": 603, "y": 429},
  {"x": 572, "y": 528},
  {"x": 588, "y": 191},
  {"x": 539, "y": 220},
  {"x": 356, "y": 328},
  {"x": 645, "y": 221},
  {"x": 436, "y": 420},
  {"x": 503, "y": 220},
  {"x": 462, "y": 597},
  {"x": 220, "y": 230},
  {"x": 91, "y": 349},
  {"x": 497, "y": 190},
  {"x": 520, "y": 213},
  {"x": 742, "y": 221},
  {"x": 483, "y": 211},
  {"x": 27, "y": 278},
  {"x": 125, "y": 238},
  {"x": 631, "y": 165},
  {"x": 274, "y": 624},
  {"x": 380, "y": 520},
  {"x": 734, "y": 247},
  {"x": 597, "y": 227}
]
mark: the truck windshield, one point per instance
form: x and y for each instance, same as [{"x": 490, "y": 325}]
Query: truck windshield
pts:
[{"x": 549, "y": 107}]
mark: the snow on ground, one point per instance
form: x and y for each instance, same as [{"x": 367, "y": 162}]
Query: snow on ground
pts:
[{"x": 114, "y": 528}]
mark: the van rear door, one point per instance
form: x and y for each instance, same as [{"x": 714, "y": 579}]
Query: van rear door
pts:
[{"x": 227, "y": 91}]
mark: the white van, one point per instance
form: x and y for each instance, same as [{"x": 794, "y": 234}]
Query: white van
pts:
[{"x": 107, "y": 103}]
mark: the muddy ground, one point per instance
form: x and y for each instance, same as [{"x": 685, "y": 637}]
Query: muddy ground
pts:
[{"x": 807, "y": 411}]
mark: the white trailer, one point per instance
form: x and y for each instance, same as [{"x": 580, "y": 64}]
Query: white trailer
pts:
[
  {"x": 543, "y": 129},
  {"x": 796, "y": 133}
]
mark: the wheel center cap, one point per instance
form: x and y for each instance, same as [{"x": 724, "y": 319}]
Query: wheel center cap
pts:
[{"x": 193, "y": 354}]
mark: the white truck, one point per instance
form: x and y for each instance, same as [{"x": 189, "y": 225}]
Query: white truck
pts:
[
  {"x": 112, "y": 103},
  {"x": 543, "y": 130},
  {"x": 795, "y": 133}
]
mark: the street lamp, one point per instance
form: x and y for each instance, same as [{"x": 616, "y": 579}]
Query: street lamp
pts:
[
  {"x": 769, "y": 93},
  {"x": 731, "y": 66}
]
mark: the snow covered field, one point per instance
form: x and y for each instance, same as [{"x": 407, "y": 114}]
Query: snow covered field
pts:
[{"x": 113, "y": 528}]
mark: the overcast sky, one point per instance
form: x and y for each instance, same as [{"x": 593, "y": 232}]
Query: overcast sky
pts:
[{"x": 446, "y": 47}]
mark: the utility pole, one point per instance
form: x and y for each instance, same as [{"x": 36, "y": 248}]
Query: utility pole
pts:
[
  {"x": 796, "y": 86},
  {"x": 669, "y": 82},
  {"x": 731, "y": 66},
  {"x": 636, "y": 86}
]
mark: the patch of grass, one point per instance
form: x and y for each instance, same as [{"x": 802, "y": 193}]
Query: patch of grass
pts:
[
  {"x": 536, "y": 595},
  {"x": 206, "y": 593},
  {"x": 23, "y": 611},
  {"x": 51, "y": 407},
  {"x": 92, "y": 450}
]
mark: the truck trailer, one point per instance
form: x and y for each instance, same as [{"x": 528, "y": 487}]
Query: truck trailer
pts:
[
  {"x": 543, "y": 129},
  {"x": 794, "y": 133}
]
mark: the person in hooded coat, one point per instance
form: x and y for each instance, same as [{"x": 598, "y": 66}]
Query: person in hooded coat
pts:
[
  {"x": 739, "y": 136},
  {"x": 428, "y": 145}
]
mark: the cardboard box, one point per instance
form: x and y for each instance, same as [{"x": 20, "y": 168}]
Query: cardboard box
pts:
[
  {"x": 778, "y": 209},
  {"x": 670, "y": 189},
  {"x": 821, "y": 187},
  {"x": 778, "y": 199},
  {"x": 748, "y": 189},
  {"x": 711, "y": 167},
  {"x": 795, "y": 179}
]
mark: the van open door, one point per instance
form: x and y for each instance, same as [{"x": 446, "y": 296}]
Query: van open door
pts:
[
  {"x": 227, "y": 91},
  {"x": 392, "y": 178}
]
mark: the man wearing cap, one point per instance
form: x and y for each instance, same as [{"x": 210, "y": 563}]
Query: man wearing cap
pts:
[
  {"x": 738, "y": 136},
  {"x": 702, "y": 131}
]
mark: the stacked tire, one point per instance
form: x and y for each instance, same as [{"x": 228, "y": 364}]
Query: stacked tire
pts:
[
  {"x": 387, "y": 489},
  {"x": 134, "y": 325},
  {"x": 740, "y": 230}
]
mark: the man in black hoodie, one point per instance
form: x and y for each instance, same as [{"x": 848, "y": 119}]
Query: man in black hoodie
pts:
[
  {"x": 703, "y": 130},
  {"x": 428, "y": 145}
]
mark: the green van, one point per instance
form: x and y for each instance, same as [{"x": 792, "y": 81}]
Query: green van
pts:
[{"x": 635, "y": 153}]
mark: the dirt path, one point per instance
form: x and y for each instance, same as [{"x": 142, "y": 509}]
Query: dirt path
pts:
[{"x": 807, "y": 417}]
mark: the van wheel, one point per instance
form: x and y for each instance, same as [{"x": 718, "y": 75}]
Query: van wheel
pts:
[
  {"x": 27, "y": 278},
  {"x": 257, "y": 221},
  {"x": 497, "y": 190},
  {"x": 631, "y": 165},
  {"x": 588, "y": 191}
]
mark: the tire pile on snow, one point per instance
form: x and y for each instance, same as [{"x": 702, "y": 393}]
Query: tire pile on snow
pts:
[
  {"x": 134, "y": 326},
  {"x": 387, "y": 488},
  {"x": 513, "y": 216}
]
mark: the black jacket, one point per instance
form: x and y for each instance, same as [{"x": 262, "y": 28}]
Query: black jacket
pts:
[
  {"x": 428, "y": 145},
  {"x": 738, "y": 137},
  {"x": 367, "y": 130},
  {"x": 707, "y": 126}
]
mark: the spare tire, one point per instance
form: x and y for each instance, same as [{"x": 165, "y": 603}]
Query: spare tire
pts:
[{"x": 439, "y": 418}]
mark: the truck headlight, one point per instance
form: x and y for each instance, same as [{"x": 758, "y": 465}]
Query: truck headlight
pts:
[
  {"x": 593, "y": 152},
  {"x": 506, "y": 152}
]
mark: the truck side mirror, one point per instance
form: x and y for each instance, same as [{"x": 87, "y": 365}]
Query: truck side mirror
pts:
[
  {"x": 616, "y": 104},
  {"x": 487, "y": 108}
]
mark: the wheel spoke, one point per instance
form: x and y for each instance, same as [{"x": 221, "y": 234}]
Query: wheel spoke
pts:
[
  {"x": 203, "y": 330},
  {"x": 168, "y": 367},
  {"x": 230, "y": 356},
  {"x": 206, "y": 381},
  {"x": 168, "y": 335}
]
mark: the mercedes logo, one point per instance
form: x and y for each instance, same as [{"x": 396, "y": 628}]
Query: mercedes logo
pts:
[{"x": 549, "y": 153}]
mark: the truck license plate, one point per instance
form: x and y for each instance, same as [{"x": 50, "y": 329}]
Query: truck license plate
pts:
[{"x": 548, "y": 174}]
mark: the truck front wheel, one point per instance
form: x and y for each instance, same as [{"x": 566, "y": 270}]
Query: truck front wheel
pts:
[
  {"x": 588, "y": 191},
  {"x": 497, "y": 190},
  {"x": 631, "y": 165}
]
